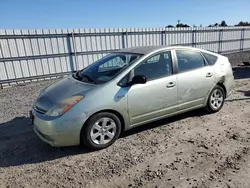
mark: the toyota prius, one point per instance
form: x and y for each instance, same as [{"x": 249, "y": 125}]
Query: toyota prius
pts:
[{"x": 129, "y": 88}]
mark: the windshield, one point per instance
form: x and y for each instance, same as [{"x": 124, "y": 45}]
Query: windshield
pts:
[{"x": 106, "y": 68}]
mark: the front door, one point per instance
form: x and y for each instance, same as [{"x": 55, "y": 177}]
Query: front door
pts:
[{"x": 156, "y": 98}]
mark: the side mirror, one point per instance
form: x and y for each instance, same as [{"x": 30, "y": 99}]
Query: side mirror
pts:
[{"x": 139, "y": 79}]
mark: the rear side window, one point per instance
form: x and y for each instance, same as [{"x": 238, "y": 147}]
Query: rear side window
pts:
[
  {"x": 211, "y": 59},
  {"x": 188, "y": 60}
]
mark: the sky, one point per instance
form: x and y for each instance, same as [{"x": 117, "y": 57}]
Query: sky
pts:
[{"x": 59, "y": 14}]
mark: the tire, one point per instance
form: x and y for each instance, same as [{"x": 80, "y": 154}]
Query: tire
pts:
[
  {"x": 101, "y": 130},
  {"x": 216, "y": 96}
]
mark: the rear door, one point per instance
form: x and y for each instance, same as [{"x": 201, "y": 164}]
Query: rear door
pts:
[{"x": 195, "y": 78}]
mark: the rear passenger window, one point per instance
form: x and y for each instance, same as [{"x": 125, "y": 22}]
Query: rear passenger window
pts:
[
  {"x": 211, "y": 59},
  {"x": 188, "y": 60}
]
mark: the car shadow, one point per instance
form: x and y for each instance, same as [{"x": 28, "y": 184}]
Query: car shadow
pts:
[
  {"x": 241, "y": 99},
  {"x": 152, "y": 125},
  {"x": 241, "y": 72},
  {"x": 246, "y": 93},
  {"x": 19, "y": 144}
]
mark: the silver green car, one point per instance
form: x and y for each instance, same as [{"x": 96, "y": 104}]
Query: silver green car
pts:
[{"x": 129, "y": 88}]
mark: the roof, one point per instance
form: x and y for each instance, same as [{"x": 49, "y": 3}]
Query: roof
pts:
[
  {"x": 148, "y": 49},
  {"x": 142, "y": 49}
]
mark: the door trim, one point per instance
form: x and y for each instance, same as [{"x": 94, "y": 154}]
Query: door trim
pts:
[
  {"x": 167, "y": 115},
  {"x": 156, "y": 111}
]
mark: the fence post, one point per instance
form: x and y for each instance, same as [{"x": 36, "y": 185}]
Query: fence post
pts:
[
  {"x": 165, "y": 37},
  {"x": 193, "y": 38},
  {"x": 162, "y": 37},
  {"x": 74, "y": 49},
  {"x": 123, "y": 39},
  {"x": 242, "y": 36},
  {"x": 126, "y": 39},
  {"x": 71, "y": 62},
  {"x": 220, "y": 41}
]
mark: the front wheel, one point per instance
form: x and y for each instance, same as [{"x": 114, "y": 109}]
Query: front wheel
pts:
[
  {"x": 216, "y": 99},
  {"x": 101, "y": 130}
]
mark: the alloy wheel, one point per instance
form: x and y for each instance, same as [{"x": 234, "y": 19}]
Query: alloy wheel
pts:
[
  {"x": 103, "y": 131},
  {"x": 216, "y": 99}
]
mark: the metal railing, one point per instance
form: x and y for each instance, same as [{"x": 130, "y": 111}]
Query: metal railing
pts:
[{"x": 34, "y": 54}]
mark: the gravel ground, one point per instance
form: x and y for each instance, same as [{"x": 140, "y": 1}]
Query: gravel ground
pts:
[{"x": 194, "y": 149}]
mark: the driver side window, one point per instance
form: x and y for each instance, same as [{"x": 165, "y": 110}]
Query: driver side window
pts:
[{"x": 157, "y": 66}]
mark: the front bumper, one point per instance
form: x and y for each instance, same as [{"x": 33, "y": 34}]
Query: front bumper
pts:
[
  {"x": 45, "y": 138},
  {"x": 60, "y": 131}
]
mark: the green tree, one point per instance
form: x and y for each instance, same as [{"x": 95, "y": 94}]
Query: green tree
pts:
[
  {"x": 223, "y": 23},
  {"x": 182, "y": 25},
  {"x": 169, "y": 26},
  {"x": 241, "y": 23}
]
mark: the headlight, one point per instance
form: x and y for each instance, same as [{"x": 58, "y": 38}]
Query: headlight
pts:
[{"x": 63, "y": 106}]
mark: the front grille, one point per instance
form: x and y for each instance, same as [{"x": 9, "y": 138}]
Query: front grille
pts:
[{"x": 39, "y": 110}]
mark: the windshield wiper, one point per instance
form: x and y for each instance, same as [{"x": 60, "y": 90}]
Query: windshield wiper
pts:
[{"x": 86, "y": 76}]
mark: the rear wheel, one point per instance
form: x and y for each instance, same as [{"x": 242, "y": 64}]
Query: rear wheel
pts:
[
  {"x": 101, "y": 130},
  {"x": 216, "y": 99}
]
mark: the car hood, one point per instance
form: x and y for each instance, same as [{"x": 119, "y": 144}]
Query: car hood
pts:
[{"x": 60, "y": 90}]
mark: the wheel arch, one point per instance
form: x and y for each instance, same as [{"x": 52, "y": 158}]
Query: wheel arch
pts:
[{"x": 221, "y": 84}]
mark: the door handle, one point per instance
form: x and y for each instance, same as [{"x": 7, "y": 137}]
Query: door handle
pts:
[
  {"x": 171, "y": 84},
  {"x": 209, "y": 74}
]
